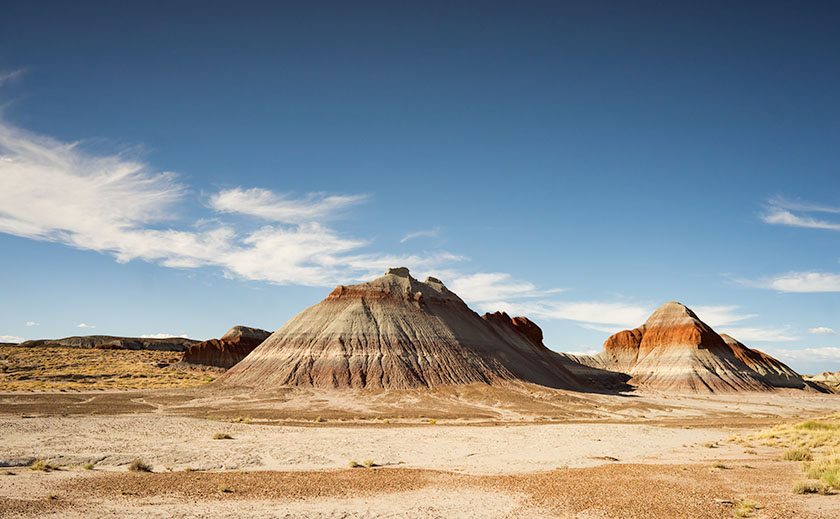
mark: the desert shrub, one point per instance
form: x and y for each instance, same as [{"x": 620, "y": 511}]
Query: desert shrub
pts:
[
  {"x": 88, "y": 466},
  {"x": 719, "y": 465},
  {"x": 813, "y": 425},
  {"x": 746, "y": 508},
  {"x": 43, "y": 466},
  {"x": 811, "y": 487},
  {"x": 369, "y": 463},
  {"x": 432, "y": 421},
  {"x": 222, "y": 436},
  {"x": 826, "y": 468},
  {"x": 139, "y": 466},
  {"x": 320, "y": 419},
  {"x": 353, "y": 464},
  {"x": 797, "y": 454}
]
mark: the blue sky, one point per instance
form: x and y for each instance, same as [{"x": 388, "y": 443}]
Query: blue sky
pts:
[{"x": 179, "y": 168}]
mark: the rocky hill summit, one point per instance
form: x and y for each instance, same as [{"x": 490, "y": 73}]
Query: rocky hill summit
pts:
[
  {"x": 397, "y": 332},
  {"x": 226, "y": 351},
  {"x": 675, "y": 351}
]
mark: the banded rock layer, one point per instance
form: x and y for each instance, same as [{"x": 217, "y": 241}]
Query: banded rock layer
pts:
[
  {"x": 225, "y": 352},
  {"x": 399, "y": 333},
  {"x": 675, "y": 351},
  {"x": 115, "y": 343}
]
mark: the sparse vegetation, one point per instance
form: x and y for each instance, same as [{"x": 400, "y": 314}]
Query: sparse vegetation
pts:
[
  {"x": 320, "y": 419},
  {"x": 746, "y": 508},
  {"x": 811, "y": 487},
  {"x": 139, "y": 466},
  {"x": 369, "y": 463},
  {"x": 53, "y": 369},
  {"x": 43, "y": 466},
  {"x": 52, "y": 497},
  {"x": 353, "y": 464},
  {"x": 241, "y": 419},
  {"x": 797, "y": 454},
  {"x": 719, "y": 465},
  {"x": 815, "y": 443},
  {"x": 432, "y": 421},
  {"x": 88, "y": 466},
  {"x": 222, "y": 436}
]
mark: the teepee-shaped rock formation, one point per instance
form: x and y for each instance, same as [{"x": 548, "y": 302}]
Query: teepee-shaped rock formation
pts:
[
  {"x": 225, "y": 352},
  {"x": 399, "y": 333},
  {"x": 675, "y": 351}
]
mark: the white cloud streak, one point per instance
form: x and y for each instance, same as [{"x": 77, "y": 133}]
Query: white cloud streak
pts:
[
  {"x": 84, "y": 325},
  {"x": 54, "y": 191},
  {"x": 780, "y": 211},
  {"x": 11, "y": 77},
  {"x": 811, "y": 355},
  {"x": 428, "y": 233},
  {"x": 492, "y": 286},
  {"x": 10, "y": 338},
  {"x": 753, "y": 334},
  {"x": 822, "y": 330},
  {"x": 162, "y": 336},
  {"x": 592, "y": 313},
  {"x": 720, "y": 315},
  {"x": 32, "y": 323},
  {"x": 802, "y": 282},
  {"x": 778, "y": 216},
  {"x": 798, "y": 205},
  {"x": 268, "y": 205}
]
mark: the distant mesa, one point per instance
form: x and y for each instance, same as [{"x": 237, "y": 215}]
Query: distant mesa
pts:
[
  {"x": 827, "y": 380},
  {"x": 396, "y": 332},
  {"x": 675, "y": 351},
  {"x": 114, "y": 343},
  {"x": 226, "y": 351}
]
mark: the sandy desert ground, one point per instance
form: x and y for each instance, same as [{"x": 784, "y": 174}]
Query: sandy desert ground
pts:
[{"x": 453, "y": 452}]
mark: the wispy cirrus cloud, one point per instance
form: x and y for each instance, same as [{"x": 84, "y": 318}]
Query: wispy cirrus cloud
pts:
[
  {"x": 755, "y": 334},
  {"x": 812, "y": 355},
  {"x": 598, "y": 315},
  {"x": 799, "y": 282},
  {"x": 721, "y": 315},
  {"x": 11, "y": 76},
  {"x": 495, "y": 286},
  {"x": 56, "y": 191},
  {"x": 822, "y": 330},
  {"x": 780, "y": 211},
  {"x": 428, "y": 233},
  {"x": 275, "y": 207}
]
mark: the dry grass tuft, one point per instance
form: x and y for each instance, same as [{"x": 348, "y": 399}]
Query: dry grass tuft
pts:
[
  {"x": 797, "y": 454},
  {"x": 353, "y": 464},
  {"x": 746, "y": 508},
  {"x": 43, "y": 466},
  {"x": 139, "y": 466},
  {"x": 222, "y": 436},
  {"x": 88, "y": 466},
  {"x": 811, "y": 487}
]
